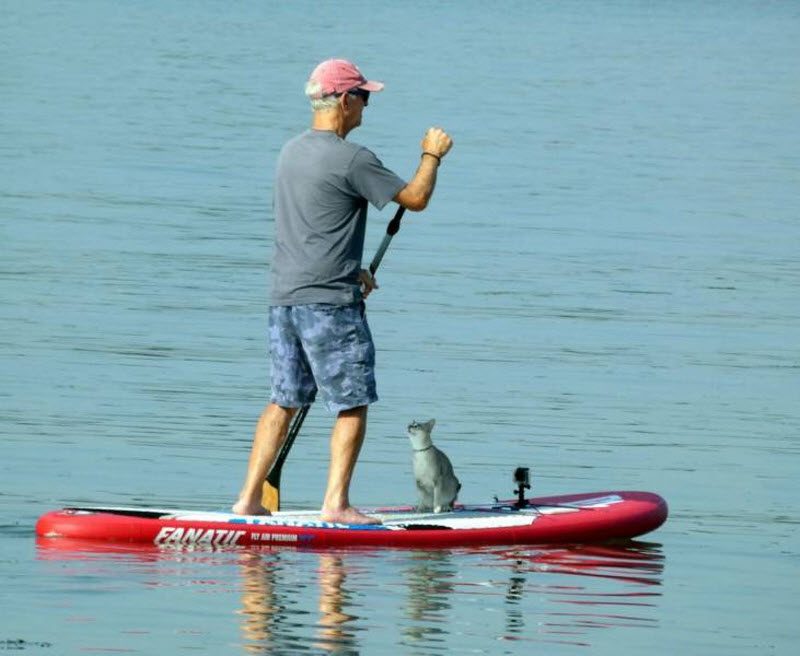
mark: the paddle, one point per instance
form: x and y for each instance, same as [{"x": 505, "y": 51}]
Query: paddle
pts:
[
  {"x": 391, "y": 231},
  {"x": 271, "y": 490}
]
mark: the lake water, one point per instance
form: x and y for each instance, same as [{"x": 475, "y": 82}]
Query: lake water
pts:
[{"x": 604, "y": 289}]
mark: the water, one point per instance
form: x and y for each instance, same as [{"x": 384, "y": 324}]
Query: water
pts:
[{"x": 604, "y": 289}]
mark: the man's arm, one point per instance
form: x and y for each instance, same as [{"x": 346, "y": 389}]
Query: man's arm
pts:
[{"x": 416, "y": 194}]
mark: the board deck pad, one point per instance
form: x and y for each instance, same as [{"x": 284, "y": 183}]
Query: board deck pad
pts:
[{"x": 588, "y": 517}]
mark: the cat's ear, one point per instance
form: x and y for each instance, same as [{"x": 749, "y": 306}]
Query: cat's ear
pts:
[{"x": 432, "y": 423}]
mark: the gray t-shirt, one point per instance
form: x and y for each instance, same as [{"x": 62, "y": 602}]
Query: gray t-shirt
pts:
[{"x": 322, "y": 187}]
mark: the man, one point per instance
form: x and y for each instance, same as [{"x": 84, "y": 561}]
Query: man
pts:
[{"x": 319, "y": 337}]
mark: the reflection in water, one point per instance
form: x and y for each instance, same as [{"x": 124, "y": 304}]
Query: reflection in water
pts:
[
  {"x": 632, "y": 571},
  {"x": 272, "y": 605},
  {"x": 515, "y": 618},
  {"x": 437, "y": 588},
  {"x": 335, "y": 628},
  {"x": 429, "y": 578},
  {"x": 291, "y": 600},
  {"x": 265, "y": 609}
]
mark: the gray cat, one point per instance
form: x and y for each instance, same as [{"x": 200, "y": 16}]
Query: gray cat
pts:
[{"x": 436, "y": 481}]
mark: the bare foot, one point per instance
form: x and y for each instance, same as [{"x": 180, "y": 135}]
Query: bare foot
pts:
[
  {"x": 243, "y": 508},
  {"x": 348, "y": 516}
]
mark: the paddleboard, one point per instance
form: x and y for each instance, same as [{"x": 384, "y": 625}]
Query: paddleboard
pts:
[{"x": 572, "y": 518}]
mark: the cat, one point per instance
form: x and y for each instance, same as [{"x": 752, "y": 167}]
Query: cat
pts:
[{"x": 436, "y": 481}]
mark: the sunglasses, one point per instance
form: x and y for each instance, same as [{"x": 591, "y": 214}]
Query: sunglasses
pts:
[{"x": 361, "y": 93}]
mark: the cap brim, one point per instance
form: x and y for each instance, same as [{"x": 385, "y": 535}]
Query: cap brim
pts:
[{"x": 371, "y": 85}]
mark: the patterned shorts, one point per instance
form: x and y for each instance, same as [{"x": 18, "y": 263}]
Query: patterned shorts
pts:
[{"x": 321, "y": 347}]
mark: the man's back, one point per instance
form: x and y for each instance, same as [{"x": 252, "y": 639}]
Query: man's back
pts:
[{"x": 323, "y": 183}]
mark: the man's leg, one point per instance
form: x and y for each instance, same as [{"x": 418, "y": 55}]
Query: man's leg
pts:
[
  {"x": 346, "y": 440},
  {"x": 269, "y": 436}
]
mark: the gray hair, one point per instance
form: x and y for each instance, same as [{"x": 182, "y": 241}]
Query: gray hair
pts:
[{"x": 320, "y": 103}]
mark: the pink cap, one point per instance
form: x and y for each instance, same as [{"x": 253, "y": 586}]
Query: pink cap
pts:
[{"x": 340, "y": 75}]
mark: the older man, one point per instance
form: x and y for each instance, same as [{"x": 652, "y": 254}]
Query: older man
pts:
[{"x": 319, "y": 337}]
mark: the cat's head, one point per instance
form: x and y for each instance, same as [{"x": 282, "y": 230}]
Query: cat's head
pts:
[
  {"x": 419, "y": 432},
  {"x": 421, "y": 426}
]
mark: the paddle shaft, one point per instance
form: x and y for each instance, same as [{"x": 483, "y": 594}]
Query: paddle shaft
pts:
[
  {"x": 391, "y": 231},
  {"x": 274, "y": 475}
]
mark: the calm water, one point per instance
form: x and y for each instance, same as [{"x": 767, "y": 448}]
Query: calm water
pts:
[{"x": 605, "y": 289}]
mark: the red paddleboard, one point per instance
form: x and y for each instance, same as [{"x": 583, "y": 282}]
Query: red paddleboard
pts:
[{"x": 571, "y": 518}]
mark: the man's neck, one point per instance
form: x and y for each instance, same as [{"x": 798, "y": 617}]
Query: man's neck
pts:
[{"x": 329, "y": 121}]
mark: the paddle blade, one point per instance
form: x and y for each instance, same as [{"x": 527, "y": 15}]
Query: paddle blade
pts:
[{"x": 270, "y": 497}]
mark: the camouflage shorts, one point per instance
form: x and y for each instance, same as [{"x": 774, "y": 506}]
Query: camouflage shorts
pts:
[{"x": 321, "y": 347}]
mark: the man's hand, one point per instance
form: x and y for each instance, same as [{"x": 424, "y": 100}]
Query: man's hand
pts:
[
  {"x": 415, "y": 195},
  {"x": 436, "y": 142},
  {"x": 368, "y": 282}
]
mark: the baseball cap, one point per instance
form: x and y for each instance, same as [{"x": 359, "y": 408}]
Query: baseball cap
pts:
[{"x": 340, "y": 75}]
